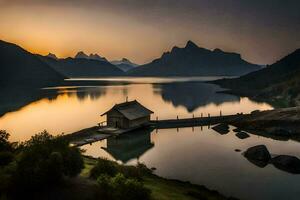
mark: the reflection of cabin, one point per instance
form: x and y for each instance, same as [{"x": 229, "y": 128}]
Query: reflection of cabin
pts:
[
  {"x": 129, "y": 146},
  {"x": 128, "y": 115}
]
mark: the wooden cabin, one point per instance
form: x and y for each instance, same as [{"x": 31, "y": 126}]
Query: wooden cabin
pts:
[{"x": 128, "y": 115}]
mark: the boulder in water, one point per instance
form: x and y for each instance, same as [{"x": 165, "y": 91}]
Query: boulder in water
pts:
[
  {"x": 287, "y": 163},
  {"x": 242, "y": 135},
  {"x": 258, "y": 153},
  {"x": 221, "y": 128}
]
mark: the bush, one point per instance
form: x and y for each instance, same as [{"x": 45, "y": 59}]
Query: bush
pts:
[
  {"x": 136, "y": 172},
  {"x": 44, "y": 160},
  {"x": 120, "y": 187},
  {"x": 4, "y": 143},
  {"x": 110, "y": 168},
  {"x": 104, "y": 167}
]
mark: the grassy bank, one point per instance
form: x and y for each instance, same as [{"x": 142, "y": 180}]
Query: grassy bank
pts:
[{"x": 165, "y": 189}]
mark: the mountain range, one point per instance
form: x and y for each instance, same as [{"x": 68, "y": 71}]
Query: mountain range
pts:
[
  {"x": 95, "y": 56},
  {"x": 19, "y": 68},
  {"x": 82, "y": 67},
  {"x": 278, "y": 83},
  {"x": 192, "y": 60}
]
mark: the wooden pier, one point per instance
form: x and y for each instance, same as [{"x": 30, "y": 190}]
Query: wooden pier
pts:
[
  {"x": 195, "y": 121},
  {"x": 94, "y": 134}
]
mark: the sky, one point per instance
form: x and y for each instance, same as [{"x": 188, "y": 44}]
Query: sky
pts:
[{"x": 262, "y": 31}]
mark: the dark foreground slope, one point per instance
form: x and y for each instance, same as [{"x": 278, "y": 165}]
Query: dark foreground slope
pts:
[
  {"x": 82, "y": 67},
  {"x": 195, "y": 61},
  {"x": 278, "y": 83},
  {"x": 19, "y": 68}
]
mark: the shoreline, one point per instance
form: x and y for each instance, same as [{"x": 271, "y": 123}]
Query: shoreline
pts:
[{"x": 165, "y": 189}]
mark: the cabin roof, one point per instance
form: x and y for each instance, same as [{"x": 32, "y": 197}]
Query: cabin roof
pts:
[{"x": 131, "y": 110}]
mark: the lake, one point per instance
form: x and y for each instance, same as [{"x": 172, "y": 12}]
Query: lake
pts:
[{"x": 199, "y": 154}]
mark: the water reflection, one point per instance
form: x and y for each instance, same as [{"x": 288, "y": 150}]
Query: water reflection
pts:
[
  {"x": 206, "y": 157},
  {"x": 129, "y": 146},
  {"x": 13, "y": 98},
  {"x": 68, "y": 109},
  {"x": 84, "y": 93},
  {"x": 192, "y": 95}
]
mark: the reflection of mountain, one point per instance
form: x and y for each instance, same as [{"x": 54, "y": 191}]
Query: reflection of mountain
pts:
[
  {"x": 192, "y": 95},
  {"x": 92, "y": 93},
  {"x": 15, "y": 98},
  {"x": 129, "y": 146}
]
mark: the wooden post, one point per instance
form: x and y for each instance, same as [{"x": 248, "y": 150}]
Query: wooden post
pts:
[
  {"x": 193, "y": 116},
  {"x": 177, "y": 117},
  {"x": 220, "y": 113},
  {"x": 201, "y": 115},
  {"x": 156, "y": 119},
  {"x": 208, "y": 115}
]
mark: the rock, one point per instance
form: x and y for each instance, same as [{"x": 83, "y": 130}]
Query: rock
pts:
[
  {"x": 237, "y": 150},
  {"x": 236, "y": 130},
  {"x": 242, "y": 135},
  {"x": 258, "y": 153},
  {"x": 221, "y": 128},
  {"x": 287, "y": 163}
]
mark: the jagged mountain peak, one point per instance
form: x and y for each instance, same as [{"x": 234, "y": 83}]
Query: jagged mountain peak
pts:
[
  {"x": 191, "y": 44},
  {"x": 81, "y": 54},
  {"x": 52, "y": 55}
]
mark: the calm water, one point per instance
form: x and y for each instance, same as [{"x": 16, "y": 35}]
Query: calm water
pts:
[
  {"x": 199, "y": 155},
  {"x": 68, "y": 109},
  {"x": 203, "y": 156}
]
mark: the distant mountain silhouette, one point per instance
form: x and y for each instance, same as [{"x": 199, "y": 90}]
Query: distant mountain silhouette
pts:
[
  {"x": 51, "y": 55},
  {"x": 193, "y": 95},
  {"x": 124, "y": 64},
  {"x": 82, "y": 55},
  {"x": 97, "y": 57},
  {"x": 20, "y": 68},
  {"x": 82, "y": 67},
  {"x": 280, "y": 80},
  {"x": 195, "y": 61}
]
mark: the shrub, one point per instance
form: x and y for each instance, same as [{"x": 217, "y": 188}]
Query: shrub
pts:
[
  {"x": 104, "y": 167},
  {"x": 4, "y": 143},
  {"x": 44, "y": 160},
  {"x": 136, "y": 172},
  {"x": 120, "y": 187}
]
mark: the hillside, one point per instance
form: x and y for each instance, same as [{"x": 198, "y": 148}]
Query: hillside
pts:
[
  {"x": 82, "y": 67},
  {"x": 195, "y": 61},
  {"x": 20, "y": 68},
  {"x": 279, "y": 82}
]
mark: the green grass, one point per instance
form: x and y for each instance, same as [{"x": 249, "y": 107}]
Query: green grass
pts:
[
  {"x": 166, "y": 189},
  {"x": 89, "y": 163}
]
